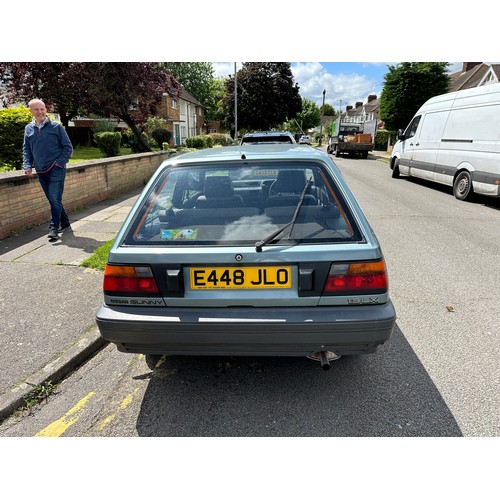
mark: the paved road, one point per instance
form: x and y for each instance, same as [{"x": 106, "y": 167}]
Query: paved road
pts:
[
  {"x": 443, "y": 259},
  {"x": 438, "y": 375}
]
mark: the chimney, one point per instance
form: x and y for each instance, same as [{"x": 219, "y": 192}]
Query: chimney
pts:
[
  {"x": 371, "y": 98},
  {"x": 469, "y": 65},
  {"x": 358, "y": 104}
]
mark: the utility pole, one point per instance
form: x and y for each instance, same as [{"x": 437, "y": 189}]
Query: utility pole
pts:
[
  {"x": 235, "y": 104},
  {"x": 340, "y": 116},
  {"x": 321, "y": 119}
]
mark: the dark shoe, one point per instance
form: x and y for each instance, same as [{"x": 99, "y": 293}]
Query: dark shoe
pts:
[
  {"x": 63, "y": 227},
  {"x": 52, "y": 235}
]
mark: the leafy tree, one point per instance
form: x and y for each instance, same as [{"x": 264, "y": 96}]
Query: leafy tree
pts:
[
  {"x": 406, "y": 87},
  {"x": 267, "y": 96},
  {"x": 129, "y": 91},
  {"x": 215, "y": 103},
  {"x": 195, "y": 77},
  {"x": 309, "y": 117},
  {"x": 328, "y": 110},
  {"x": 62, "y": 85}
]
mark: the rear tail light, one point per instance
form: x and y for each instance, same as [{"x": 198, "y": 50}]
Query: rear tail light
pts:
[
  {"x": 365, "y": 277},
  {"x": 129, "y": 279}
]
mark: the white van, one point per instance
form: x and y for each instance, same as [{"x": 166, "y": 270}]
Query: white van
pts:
[{"x": 454, "y": 139}]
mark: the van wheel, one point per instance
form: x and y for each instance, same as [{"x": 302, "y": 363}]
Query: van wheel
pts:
[
  {"x": 395, "y": 169},
  {"x": 462, "y": 186}
]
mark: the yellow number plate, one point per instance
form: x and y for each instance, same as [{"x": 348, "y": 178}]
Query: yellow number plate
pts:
[{"x": 240, "y": 277}]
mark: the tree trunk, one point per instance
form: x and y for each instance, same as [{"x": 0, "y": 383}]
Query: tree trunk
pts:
[{"x": 133, "y": 127}]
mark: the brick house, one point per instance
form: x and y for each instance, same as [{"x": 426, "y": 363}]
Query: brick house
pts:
[
  {"x": 184, "y": 115},
  {"x": 361, "y": 113}
]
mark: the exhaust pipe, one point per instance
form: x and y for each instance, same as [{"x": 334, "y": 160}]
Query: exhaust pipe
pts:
[{"x": 324, "y": 357}]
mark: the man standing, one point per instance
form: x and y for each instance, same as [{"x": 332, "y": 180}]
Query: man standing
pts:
[{"x": 48, "y": 149}]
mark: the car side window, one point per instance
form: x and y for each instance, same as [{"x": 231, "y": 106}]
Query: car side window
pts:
[{"x": 412, "y": 127}]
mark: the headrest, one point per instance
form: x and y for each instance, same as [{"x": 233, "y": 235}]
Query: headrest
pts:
[
  {"x": 218, "y": 186},
  {"x": 290, "y": 181}
]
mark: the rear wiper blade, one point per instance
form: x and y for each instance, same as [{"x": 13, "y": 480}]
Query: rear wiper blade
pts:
[{"x": 271, "y": 237}]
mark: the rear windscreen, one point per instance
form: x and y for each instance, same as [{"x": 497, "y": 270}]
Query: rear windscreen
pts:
[{"x": 239, "y": 204}]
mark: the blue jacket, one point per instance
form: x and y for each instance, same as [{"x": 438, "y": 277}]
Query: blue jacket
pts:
[{"x": 45, "y": 147}]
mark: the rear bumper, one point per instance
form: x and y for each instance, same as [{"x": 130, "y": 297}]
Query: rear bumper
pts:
[{"x": 298, "y": 331}]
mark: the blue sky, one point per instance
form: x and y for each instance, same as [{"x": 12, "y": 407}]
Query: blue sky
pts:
[{"x": 348, "y": 82}]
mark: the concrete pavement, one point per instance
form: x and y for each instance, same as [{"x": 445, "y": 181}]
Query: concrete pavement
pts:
[{"x": 48, "y": 302}]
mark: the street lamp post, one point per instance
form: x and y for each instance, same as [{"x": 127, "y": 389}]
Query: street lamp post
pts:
[{"x": 321, "y": 119}]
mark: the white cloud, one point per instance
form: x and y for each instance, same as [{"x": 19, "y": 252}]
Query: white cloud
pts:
[{"x": 313, "y": 78}]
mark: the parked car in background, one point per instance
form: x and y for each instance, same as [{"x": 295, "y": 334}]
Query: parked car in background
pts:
[
  {"x": 305, "y": 139},
  {"x": 245, "y": 251},
  {"x": 270, "y": 137}
]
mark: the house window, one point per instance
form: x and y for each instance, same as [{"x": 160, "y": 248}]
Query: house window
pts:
[
  {"x": 134, "y": 105},
  {"x": 174, "y": 103},
  {"x": 212, "y": 130}
]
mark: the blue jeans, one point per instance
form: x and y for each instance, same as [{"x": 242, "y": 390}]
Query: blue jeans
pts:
[{"x": 52, "y": 183}]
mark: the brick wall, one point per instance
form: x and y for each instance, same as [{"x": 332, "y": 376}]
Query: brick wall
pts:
[{"x": 23, "y": 203}]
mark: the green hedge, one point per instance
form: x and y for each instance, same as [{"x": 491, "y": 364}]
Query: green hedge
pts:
[
  {"x": 381, "y": 140},
  {"x": 12, "y": 123},
  {"x": 108, "y": 143},
  {"x": 208, "y": 141}
]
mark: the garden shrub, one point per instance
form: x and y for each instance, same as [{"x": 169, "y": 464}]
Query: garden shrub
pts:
[
  {"x": 108, "y": 143},
  {"x": 221, "y": 139},
  {"x": 134, "y": 143},
  {"x": 381, "y": 139},
  {"x": 196, "y": 142},
  {"x": 161, "y": 135},
  {"x": 12, "y": 123}
]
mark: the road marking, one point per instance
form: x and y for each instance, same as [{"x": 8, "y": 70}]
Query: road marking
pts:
[
  {"x": 125, "y": 402},
  {"x": 59, "y": 427}
]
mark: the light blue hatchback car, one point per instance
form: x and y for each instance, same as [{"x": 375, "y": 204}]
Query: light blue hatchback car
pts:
[{"x": 244, "y": 251}]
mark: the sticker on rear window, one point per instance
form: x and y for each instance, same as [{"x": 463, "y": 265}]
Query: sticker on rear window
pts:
[{"x": 179, "y": 234}]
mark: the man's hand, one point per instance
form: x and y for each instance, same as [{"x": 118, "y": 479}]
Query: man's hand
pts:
[{"x": 28, "y": 171}]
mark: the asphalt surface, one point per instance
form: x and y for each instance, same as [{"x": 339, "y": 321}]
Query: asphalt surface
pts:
[{"x": 49, "y": 301}]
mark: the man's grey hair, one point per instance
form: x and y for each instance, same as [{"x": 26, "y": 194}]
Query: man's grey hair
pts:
[{"x": 33, "y": 102}]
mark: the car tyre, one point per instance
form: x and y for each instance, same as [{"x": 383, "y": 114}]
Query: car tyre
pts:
[
  {"x": 462, "y": 186},
  {"x": 395, "y": 169}
]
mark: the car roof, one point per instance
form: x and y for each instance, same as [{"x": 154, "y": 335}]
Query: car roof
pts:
[
  {"x": 269, "y": 134},
  {"x": 270, "y": 152}
]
